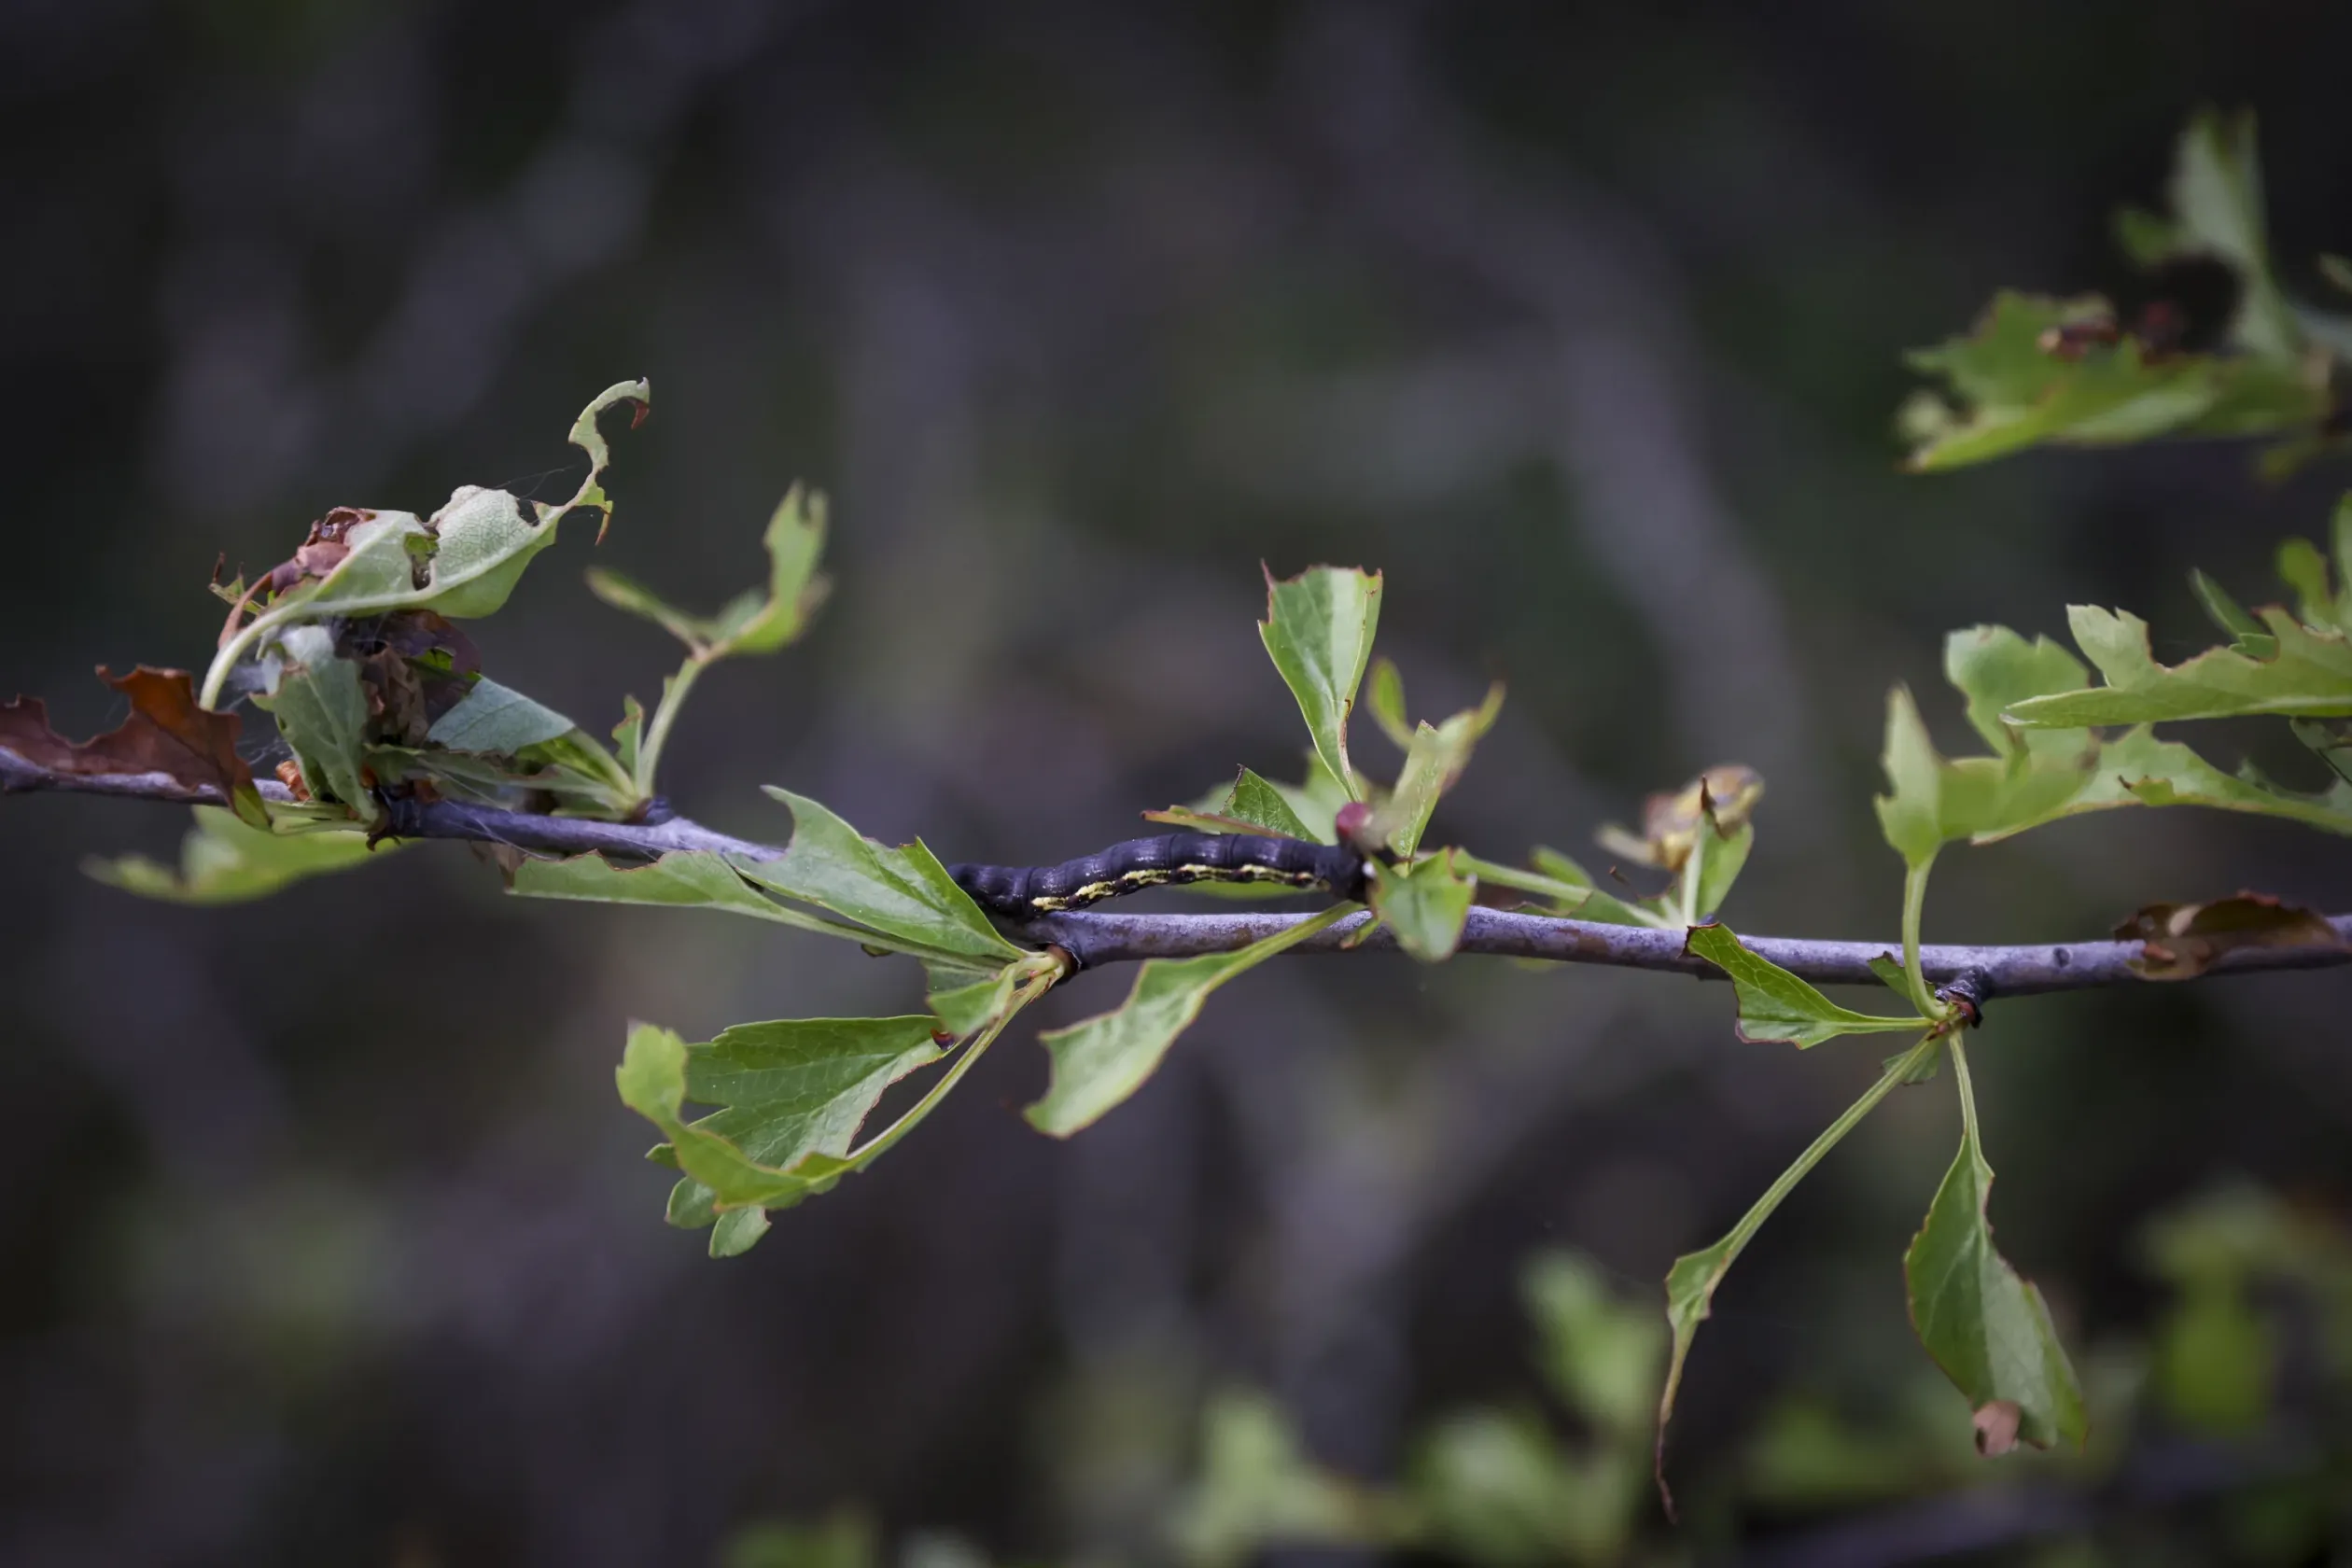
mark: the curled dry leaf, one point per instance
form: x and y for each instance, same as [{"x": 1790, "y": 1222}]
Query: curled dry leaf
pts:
[
  {"x": 1996, "y": 1426},
  {"x": 1670, "y": 823},
  {"x": 2181, "y": 941},
  {"x": 168, "y": 732}
]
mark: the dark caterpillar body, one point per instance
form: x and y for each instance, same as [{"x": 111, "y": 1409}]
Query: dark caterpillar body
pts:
[{"x": 1167, "y": 861}]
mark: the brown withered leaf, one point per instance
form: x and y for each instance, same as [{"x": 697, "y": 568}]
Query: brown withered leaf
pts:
[
  {"x": 2181, "y": 941},
  {"x": 168, "y": 732}
]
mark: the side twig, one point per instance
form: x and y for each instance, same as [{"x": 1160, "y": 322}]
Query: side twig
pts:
[{"x": 1097, "y": 937}]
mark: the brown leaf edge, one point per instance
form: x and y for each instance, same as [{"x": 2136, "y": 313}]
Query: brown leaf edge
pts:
[
  {"x": 168, "y": 732},
  {"x": 2182, "y": 941}
]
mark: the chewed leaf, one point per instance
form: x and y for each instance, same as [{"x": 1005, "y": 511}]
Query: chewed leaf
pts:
[
  {"x": 462, "y": 561},
  {"x": 1986, "y": 1328},
  {"x": 1776, "y": 1005},
  {"x": 1691, "y": 1284},
  {"x": 1099, "y": 1062},
  {"x": 2181, "y": 941},
  {"x": 224, "y": 860},
  {"x": 2306, "y": 673},
  {"x": 2138, "y": 769},
  {"x": 1318, "y": 630},
  {"x": 1435, "y": 756},
  {"x": 903, "y": 894},
  {"x": 168, "y": 732},
  {"x": 1425, "y": 903}
]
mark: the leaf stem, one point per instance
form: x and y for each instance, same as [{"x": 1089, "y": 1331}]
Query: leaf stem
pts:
[
  {"x": 657, "y": 729},
  {"x": 1552, "y": 887},
  {"x": 1819, "y": 1148},
  {"x": 1914, "y": 906}
]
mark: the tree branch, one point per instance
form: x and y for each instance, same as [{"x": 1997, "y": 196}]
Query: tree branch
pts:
[{"x": 1097, "y": 937}]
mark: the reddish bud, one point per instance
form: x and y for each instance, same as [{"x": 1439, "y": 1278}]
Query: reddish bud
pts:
[{"x": 1349, "y": 823}]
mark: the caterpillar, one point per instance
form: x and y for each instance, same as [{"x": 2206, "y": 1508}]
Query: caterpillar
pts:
[{"x": 1168, "y": 860}]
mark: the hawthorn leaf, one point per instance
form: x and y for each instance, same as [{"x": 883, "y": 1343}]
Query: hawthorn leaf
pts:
[
  {"x": 1100, "y": 1062},
  {"x": 903, "y": 894},
  {"x": 628, "y": 736},
  {"x": 316, "y": 700},
  {"x": 792, "y": 1093},
  {"x": 2307, "y": 674},
  {"x": 1993, "y": 669},
  {"x": 497, "y": 720},
  {"x": 756, "y": 622},
  {"x": 1435, "y": 756},
  {"x": 683, "y": 879},
  {"x": 1722, "y": 799},
  {"x": 1776, "y": 1005},
  {"x": 1253, "y": 800},
  {"x": 225, "y": 860},
  {"x": 168, "y": 732},
  {"x": 2138, "y": 769},
  {"x": 461, "y": 562},
  {"x": 1985, "y": 1325},
  {"x": 1718, "y": 858},
  {"x": 2233, "y": 618},
  {"x": 2181, "y": 941},
  {"x": 1693, "y": 1280},
  {"x": 1425, "y": 903},
  {"x": 1386, "y": 697},
  {"x": 1933, "y": 801},
  {"x": 1318, "y": 630},
  {"x": 1573, "y": 892}
]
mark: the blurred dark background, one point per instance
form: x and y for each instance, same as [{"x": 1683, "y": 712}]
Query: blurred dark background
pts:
[{"x": 325, "y": 1237}]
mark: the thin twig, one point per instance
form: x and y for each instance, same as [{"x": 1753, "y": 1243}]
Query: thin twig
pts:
[{"x": 1096, "y": 937}]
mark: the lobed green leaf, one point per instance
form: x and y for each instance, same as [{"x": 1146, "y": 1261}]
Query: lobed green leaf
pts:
[{"x": 2303, "y": 673}]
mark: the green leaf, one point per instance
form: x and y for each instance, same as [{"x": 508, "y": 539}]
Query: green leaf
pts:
[
  {"x": 1993, "y": 669},
  {"x": 1387, "y": 700},
  {"x": 1318, "y": 630},
  {"x": 323, "y": 714},
  {"x": 463, "y": 561},
  {"x": 498, "y": 720},
  {"x": 2138, "y": 769},
  {"x": 2232, "y": 617},
  {"x": 1258, "y": 1488},
  {"x": 628, "y": 736},
  {"x": 1435, "y": 756},
  {"x": 224, "y": 860},
  {"x": 2307, "y": 674},
  {"x": 1574, "y": 893},
  {"x": 791, "y": 1091},
  {"x": 756, "y": 622},
  {"x": 1425, "y": 903},
  {"x": 795, "y": 538},
  {"x": 1718, "y": 859},
  {"x": 1601, "y": 1355},
  {"x": 902, "y": 893},
  {"x": 1986, "y": 1328},
  {"x": 1933, "y": 801},
  {"x": 968, "y": 1008},
  {"x": 1101, "y": 1061},
  {"x": 1692, "y": 1281},
  {"x": 1776, "y": 1005},
  {"x": 683, "y": 879},
  {"x": 1253, "y": 800}
]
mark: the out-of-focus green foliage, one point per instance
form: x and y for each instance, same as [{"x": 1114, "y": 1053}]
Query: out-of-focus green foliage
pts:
[{"x": 2038, "y": 369}]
